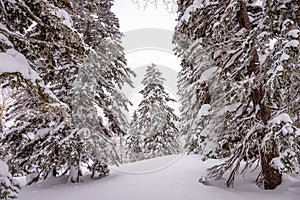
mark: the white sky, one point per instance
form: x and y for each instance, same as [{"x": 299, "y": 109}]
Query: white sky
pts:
[{"x": 131, "y": 17}]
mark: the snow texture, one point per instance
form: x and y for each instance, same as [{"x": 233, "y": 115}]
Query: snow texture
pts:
[{"x": 182, "y": 180}]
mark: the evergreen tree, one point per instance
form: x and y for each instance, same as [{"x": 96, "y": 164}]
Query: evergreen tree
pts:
[
  {"x": 29, "y": 96},
  {"x": 243, "y": 95},
  {"x": 195, "y": 100},
  {"x": 157, "y": 121},
  {"x": 282, "y": 77},
  {"x": 53, "y": 49},
  {"x": 54, "y": 38},
  {"x": 96, "y": 92},
  {"x": 96, "y": 96},
  {"x": 134, "y": 140}
]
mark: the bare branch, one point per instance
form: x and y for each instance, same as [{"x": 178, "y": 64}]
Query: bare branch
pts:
[{"x": 170, "y": 5}]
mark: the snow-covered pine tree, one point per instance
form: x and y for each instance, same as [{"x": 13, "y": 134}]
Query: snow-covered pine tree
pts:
[
  {"x": 157, "y": 121},
  {"x": 9, "y": 187},
  {"x": 197, "y": 80},
  {"x": 97, "y": 92},
  {"x": 19, "y": 78},
  {"x": 97, "y": 112},
  {"x": 229, "y": 32},
  {"x": 56, "y": 41},
  {"x": 43, "y": 33},
  {"x": 194, "y": 91},
  {"x": 134, "y": 140},
  {"x": 282, "y": 78}
]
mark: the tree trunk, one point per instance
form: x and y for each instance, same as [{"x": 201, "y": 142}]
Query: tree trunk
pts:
[
  {"x": 271, "y": 176},
  {"x": 54, "y": 172},
  {"x": 298, "y": 16},
  {"x": 74, "y": 174},
  {"x": 75, "y": 171}
]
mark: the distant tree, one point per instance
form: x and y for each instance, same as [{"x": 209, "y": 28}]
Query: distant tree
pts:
[
  {"x": 134, "y": 140},
  {"x": 156, "y": 120}
]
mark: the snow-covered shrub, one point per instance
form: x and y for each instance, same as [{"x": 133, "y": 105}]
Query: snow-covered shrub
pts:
[{"x": 9, "y": 188}]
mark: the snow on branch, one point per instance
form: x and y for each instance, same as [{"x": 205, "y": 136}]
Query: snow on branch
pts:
[{"x": 14, "y": 62}]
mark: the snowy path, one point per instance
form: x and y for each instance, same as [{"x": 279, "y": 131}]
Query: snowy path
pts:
[{"x": 179, "y": 181}]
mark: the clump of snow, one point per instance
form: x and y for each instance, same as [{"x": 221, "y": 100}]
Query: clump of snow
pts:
[
  {"x": 284, "y": 57},
  {"x": 292, "y": 43},
  {"x": 277, "y": 163},
  {"x": 279, "y": 68},
  {"x": 66, "y": 18},
  {"x": 31, "y": 27},
  {"x": 207, "y": 74},
  {"x": 209, "y": 148},
  {"x": 259, "y": 3},
  {"x": 12, "y": 62},
  {"x": 233, "y": 58},
  {"x": 204, "y": 110},
  {"x": 298, "y": 131},
  {"x": 228, "y": 108},
  {"x": 282, "y": 118},
  {"x": 294, "y": 33},
  {"x": 12, "y": 1},
  {"x": 42, "y": 132}
]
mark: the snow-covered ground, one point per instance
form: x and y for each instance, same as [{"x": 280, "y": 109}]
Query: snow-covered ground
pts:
[{"x": 165, "y": 178}]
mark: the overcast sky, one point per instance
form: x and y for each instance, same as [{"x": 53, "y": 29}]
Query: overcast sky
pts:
[
  {"x": 150, "y": 46},
  {"x": 131, "y": 17}
]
